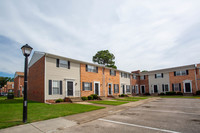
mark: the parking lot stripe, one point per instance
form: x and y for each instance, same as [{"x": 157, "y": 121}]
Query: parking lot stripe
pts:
[
  {"x": 176, "y": 112},
  {"x": 134, "y": 125},
  {"x": 172, "y": 106}
]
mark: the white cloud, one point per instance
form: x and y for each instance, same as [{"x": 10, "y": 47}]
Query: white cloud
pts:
[{"x": 141, "y": 34}]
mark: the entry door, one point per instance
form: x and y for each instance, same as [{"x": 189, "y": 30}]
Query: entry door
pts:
[
  {"x": 96, "y": 85},
  {"x": 155, "y": 89},
  {"x": 143, "y": 89},
  {"x": 70, "y": 88},
  {"x": 109, "y": 89},
  {"x": 123, "y": 89},
  {"x": 187, "y": 87}
]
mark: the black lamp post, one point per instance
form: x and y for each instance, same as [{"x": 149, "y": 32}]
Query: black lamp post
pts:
[{"x": 26, "y": 50}]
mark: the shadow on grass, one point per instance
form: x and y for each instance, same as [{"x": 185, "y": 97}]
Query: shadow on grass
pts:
[{"x": 11, "y": 101}]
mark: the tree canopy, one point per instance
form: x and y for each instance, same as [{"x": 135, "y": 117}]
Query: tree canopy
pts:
[
  {"x": 4, "y": 80},
  {"x": 104, "y": 57}
]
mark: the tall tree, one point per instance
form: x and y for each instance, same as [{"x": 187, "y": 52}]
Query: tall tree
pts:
[
  {"x": 4, "y": 80},
  {"x": 104, "y": 57}
]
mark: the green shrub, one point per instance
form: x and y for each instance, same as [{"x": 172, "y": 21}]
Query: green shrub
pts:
[
  {"x": 90, "y": 97},
  {"x": 84, "y": 98},
  {"x": 198, "y": 92},
  {"x": 147, "y": 94},
  {"x": 10, "y": 95},
  {"x": 179, "y": 93},
  {"x": 162, "y": 94},
  {"x": 122, "y": 95},
  {"x": 59, "y": 100},
  {"x": 171, "y": 93},
  {"x": 95, "y": 96}
]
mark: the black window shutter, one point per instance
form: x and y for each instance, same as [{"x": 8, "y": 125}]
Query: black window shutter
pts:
[
  {"x": 174, "y": 73},
  {"x": 117, "y": 88},
  {"x": 144, "y": 76},
  {"x": 114, "y": 88},
  {"x": 179, "y": 86},
  {"x": 60, "y": 87},
  {"x": 110, "y": 72},
  {"x": 86, "y": 68},
  {"x": 50, "y": 87},
  {"x": 68, "y": 64},
  {"x": 83, "y": 88},
  {"x": 155, "y": 76},
  {"x": 163, "y": 87},
  {"x": 162, "y": 75},
  {"x": 91, "y": 86},
  {"x": 172, "y": 87},
  {"x": 97, "y": 69},
  {"x": 57, "y": 62},
  {"x": 187, "y": 72}
]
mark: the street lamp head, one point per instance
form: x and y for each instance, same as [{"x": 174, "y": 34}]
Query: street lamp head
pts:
[{"x": 26, "y": 50}]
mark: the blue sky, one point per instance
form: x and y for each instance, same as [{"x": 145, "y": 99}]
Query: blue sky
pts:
[{"x": 143, "y": 35}]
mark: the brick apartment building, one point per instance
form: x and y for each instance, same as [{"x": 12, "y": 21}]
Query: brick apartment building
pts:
[
  {"x": 10, "y": 87},
  {"x": 18, "y": 84},
  {"x": 52, "y": 77}
]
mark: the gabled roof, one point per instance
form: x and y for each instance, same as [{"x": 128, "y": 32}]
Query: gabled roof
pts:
[
  {"x": 37, "y": 55},
  {"x": 18, "y": 74}
]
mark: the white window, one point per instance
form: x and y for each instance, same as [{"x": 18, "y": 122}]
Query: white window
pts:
[
  {"x": 128, "y": 89},
  {"x": 159, "y": 75},
  {"x": 116, "y": 88},
  {"x": 56, "y": 87},
  {"x": 134, "y": 77},
  {"x": 181, "y": 73},
  {"x": 113, "y": 72},
  {"x": 176, "y": 87},
  {"x": 165, "y": 87},
  {"x": 63, "y": 63},
  {"x": 12, "y": 85},
  {"x": 87, "y": 86},
  {"x": 142, "y": 77},
  {"x": 92, "y": 68}
]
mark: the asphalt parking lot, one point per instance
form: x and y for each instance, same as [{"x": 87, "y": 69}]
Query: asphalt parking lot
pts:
[{"x": 170, "y": 115}]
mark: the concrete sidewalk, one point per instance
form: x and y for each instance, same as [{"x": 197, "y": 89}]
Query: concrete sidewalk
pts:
[{"x": 53, "y": 125}]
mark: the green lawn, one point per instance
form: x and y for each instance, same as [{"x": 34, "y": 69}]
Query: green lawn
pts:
[
  {"x": 11, "y": 111},
  {"x": 109, "y": 102},
  {"x": 139, "y": 98},
  {"x": 127, "y": 99},
  {"x": 198, "y": 97}
]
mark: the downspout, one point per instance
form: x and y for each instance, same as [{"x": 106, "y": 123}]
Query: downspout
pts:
[{"x": 196, "y": 78}]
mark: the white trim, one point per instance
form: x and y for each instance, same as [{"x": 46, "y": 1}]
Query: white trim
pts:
[
  {"x": 124, "y": 88},
  {"x": 99, "y": 87},
  {"x": 187, "y": 81},
  {"x": 141, "y": 89},
  {"x": 67, "y": 88},
  {"x": 111, "y": 89}
]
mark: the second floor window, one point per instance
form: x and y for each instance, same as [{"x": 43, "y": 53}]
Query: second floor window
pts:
[
  {"x": 63, "y": 63},
  {"x": 142, "y": 77},
  {"x": 181, "y": 73},
  {"x": 113, "y": 72},
  {"x": 159, "y": 75},
  {"x": 90, "y": 68}
]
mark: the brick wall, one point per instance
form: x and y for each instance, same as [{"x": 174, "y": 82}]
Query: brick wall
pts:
[
  {"x": 91, "y": 77},
  {"x": 179, "y": 79},
  {"x": 36, "y": 81},
  {"x": 18, "y": 85},
  {"x": 144, "y": 82},
  {"x": 113, "y": 80}
]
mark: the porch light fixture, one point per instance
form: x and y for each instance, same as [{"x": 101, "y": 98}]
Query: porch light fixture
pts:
[{"x": 26, "y": 50}]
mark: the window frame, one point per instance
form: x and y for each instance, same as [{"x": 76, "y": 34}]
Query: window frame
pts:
[
  {"x": 55, "y": 87},
  {"x": 90, "y": 86}
]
